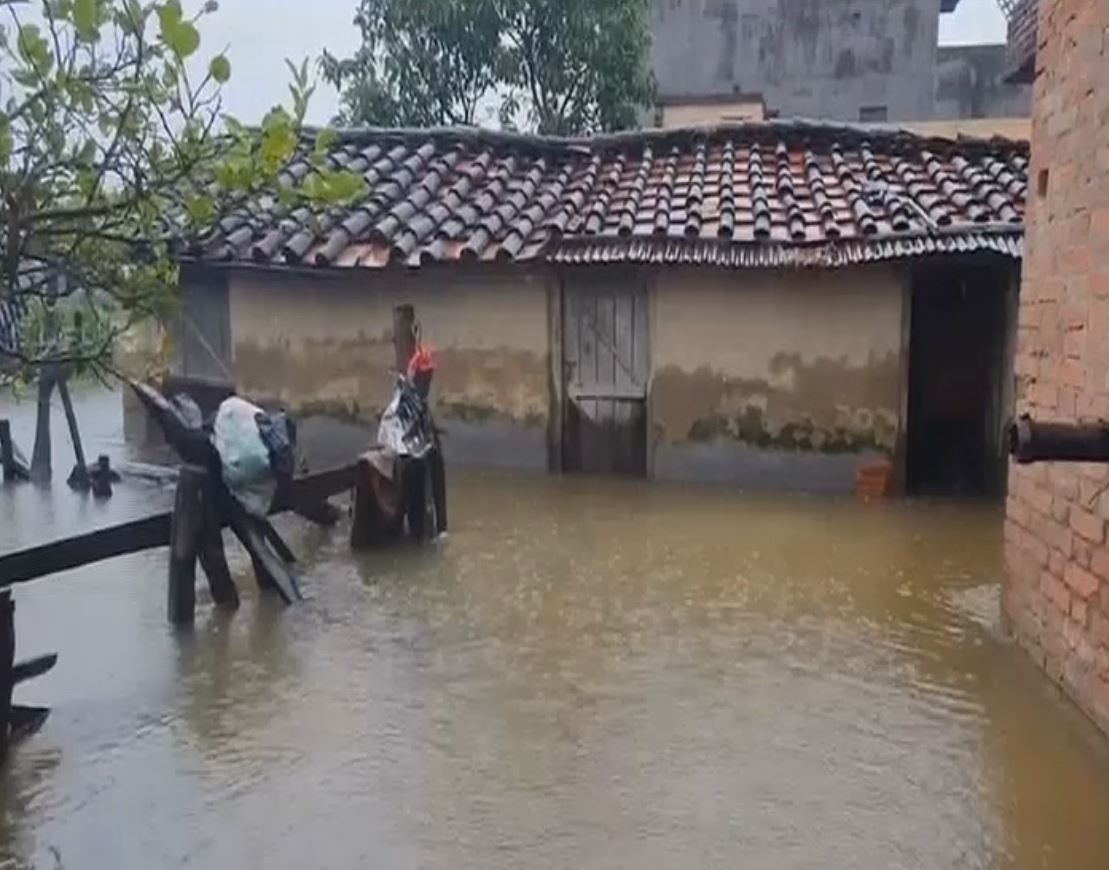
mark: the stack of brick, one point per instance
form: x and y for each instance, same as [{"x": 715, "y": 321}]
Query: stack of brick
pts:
[{"x": 1056, "y": 595}]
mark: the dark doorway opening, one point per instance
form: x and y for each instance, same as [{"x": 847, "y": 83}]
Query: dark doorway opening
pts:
[{"x": 960, "y": 375}]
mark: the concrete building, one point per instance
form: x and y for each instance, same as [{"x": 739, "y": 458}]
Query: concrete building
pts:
[
  {"x": 1056, "y": 594},
  {"x": 770, "y": 305},
  {"x": 846, "y": 60}
]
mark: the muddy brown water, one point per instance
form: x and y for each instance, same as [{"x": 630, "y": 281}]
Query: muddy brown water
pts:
[{"x": 586, "y": 674}]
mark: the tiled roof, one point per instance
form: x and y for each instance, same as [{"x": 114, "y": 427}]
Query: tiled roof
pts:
[{"x": 774, "y": 193}]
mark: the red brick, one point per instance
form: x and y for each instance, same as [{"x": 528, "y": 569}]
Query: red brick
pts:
[
  {"x": 1089, "y": 491},
  {"x": 1081, "y": 552},
  {"x": 1099, "y": 563},
  {"x": 1055, "y": 591},
  {"x": 1080, "y": 580},
  {"x": 1099, "y": 628},
  {"x": 1074, "y": 345},
  {"x": 1059, "y": 536},
  {"x": 1101, "y": 663},
  {"x": 1057, "y": 563},
  {"x": 1079, "y": 611},
  {"x": 1018, "y": 512},
  {"x": 1089, "y": 526},
  {"x": 1099, "y": 222},
  {"x": 1040, "y": 499}
]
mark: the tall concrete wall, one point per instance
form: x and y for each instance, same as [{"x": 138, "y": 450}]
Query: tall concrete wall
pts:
[
  {"x": 323, "y": 345},
  {"x": 775, "y": 379},
  {"x": 829, "y": 59},
  {"x": 816, "y": 58},
  {"x": 970, "y": 83},
  {"x": 1056, "y": 593}
]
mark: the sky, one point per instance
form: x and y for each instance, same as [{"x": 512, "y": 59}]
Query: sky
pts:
[{"x": 260, "y": 34}]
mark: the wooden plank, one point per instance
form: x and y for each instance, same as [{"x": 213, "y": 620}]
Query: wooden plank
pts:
[
  {"x": 270, "y": 569},
  {"x": 605, "y": 327},
  {"x": 630, "y": 393},
  {"x": 185, "y": 529},
  {"x": 641, "y": 345},
  {"x": 80, "y": 476},
  {"x": 571, "y": 341},
  {"x": 588, "y": 367},
  {"x": 32, "y": 668},
  {"x": 146, "y": 533},
  {"x": 73, "y": 552},
  {"x": 7, "y": 664},
  {"x": 624, "y": 341}
]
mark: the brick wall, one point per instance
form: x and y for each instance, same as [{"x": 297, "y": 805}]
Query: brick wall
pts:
[{"x": 1056, "y": 594}]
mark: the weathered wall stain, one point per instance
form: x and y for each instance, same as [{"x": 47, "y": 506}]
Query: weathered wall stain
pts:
[
  {"x": 324, "y": 346},
  {"x": 351, "y": 379},
  {"x": 825, "y": 405}
]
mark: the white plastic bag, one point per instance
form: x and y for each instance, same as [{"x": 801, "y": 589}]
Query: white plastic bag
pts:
[{"x": 244, "y": 457}]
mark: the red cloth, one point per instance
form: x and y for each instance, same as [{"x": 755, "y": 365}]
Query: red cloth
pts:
[{"x": 422, "y": 361}]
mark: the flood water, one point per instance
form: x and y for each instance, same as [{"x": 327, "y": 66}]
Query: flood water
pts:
[{"x": 585, "y": 674}]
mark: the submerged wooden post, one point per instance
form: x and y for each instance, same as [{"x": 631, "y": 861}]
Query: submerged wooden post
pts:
[
  {"x": 7, "y": 667},
  {"x": 7, "y": 454},
  {"x": 102, "y": 477},
  {"x": 185, "y": 529},
  {"x": 79, "y": 478},
  {"x": 12, "y": 468},
  {"x": 41, "y": 459},
  {"x": 404, "y": 335},
  {"x": 212, "y": 556},
  {"x": 378, "y": 518}
]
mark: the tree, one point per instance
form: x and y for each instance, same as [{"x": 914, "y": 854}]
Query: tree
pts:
[
  {"x": 558, "y": 66},
  {"x": 113, "y": 151},
  {"x": 580, "y": 65},
  {"x": 422, "y": 62}
]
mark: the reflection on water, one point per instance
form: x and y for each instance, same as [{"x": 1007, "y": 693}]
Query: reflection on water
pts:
[{"x": 585, "y": 674}]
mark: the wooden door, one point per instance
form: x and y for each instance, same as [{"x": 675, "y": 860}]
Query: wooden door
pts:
[{"x": 605, "y": 369}]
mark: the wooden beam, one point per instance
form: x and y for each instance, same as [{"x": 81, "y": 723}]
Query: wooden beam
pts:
[
  {"x": 32, "y": 668},
  {"x": 147, "y": 533},
  {"x": 67, "y": 553}
]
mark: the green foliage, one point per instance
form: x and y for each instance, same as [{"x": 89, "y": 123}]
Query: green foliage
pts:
[
  {"x": 556, "y": 66},
  {"x": 112, "y": 155}
]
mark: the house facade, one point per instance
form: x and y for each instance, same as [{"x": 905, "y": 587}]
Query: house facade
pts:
[{"x": 772, "y": 305}]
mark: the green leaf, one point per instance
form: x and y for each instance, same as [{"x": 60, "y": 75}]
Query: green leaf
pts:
[
  {"x": 220, "y": 68},
  {"x": 86, "y": 18},
  {"x": 201, "y": 209},
  {"x": 87, "y": 152},
  {"x": 5, "y": 141},
  {"x": 184, "y": 40},
  {"x": 179, "y": 35},
  {"x": 325, "y": 141},
  {"x": 33, "y": 49}
]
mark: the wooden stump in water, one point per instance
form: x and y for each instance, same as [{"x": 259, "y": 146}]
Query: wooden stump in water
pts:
[
  {"x": 185, "y": 531},
  {"x": 378, "y": 518},
  {"x": 12, "y": 468},
  {"x": 213, "y": 558},
  {"x": 7, "y": 665}
]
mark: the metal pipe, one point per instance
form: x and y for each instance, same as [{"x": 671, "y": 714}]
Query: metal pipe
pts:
[{"x": 1030, "y": 441}]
